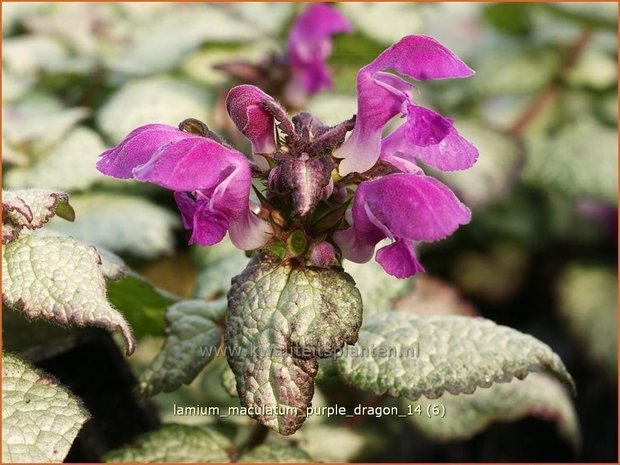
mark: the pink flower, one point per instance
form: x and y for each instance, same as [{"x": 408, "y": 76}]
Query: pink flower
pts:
[
  {"x": 211, "y": 182},
  {"x": 382, "y": 95},
  {"x": 309, "y": 45},
  {"x": 406, "y": 208}
]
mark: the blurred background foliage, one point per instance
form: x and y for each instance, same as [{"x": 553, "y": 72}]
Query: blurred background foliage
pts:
[{"x": 540, "y": 254}]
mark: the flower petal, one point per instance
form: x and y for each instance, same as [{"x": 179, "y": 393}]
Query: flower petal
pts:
[
  {"x": 137, "y": 148},
  {"x": 199, "y": 164},
  {"x": 452, "y": 153},
  {"x": 249, "y": 232},
  {"x": 399, "y": 259},
  {"x": 419, "y": 57},
  {"x": 425, "y": 127},
  {"x": 309, "y": 44},
  {"x": 243, "y": 104},
  {"x": 414, "y": 207},
  {"x": 380, "y": 97}
]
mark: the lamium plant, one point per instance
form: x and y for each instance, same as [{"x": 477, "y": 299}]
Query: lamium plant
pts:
[{"x": 311, "y": 197}]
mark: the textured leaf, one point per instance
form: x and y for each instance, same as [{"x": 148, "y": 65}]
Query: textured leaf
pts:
[
  {"x": 121, "y": 223},
  {"x": 580, "y": 160},
  {"x": 31, "y": 209},
  {"x": 588, "y": 303},
  {"x": 151, "y": 100},
  {"x": 379, "y": 290},
  {"x": 466, "y": 415},
  {"x": 59, "y": 279},
  {"x": 175, "y": 443},
  {"x": 280, "y": 319},
  {"x": 193, "y": 337},
  {"x": 411, "y": 356},
  {"x": 493, "y": 175},
  {"x": 217, "y": 265},
  {"x": 142, "y": 304},
  {"x": 70, "y": 165},
  {"x": 40, "y": 418},
  {"x": 275, "y": 453}
]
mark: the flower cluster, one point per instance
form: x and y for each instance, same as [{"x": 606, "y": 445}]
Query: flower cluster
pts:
[{"x": 320, "y": 193}]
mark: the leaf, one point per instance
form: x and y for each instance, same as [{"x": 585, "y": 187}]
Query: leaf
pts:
[
  {"x": 37, "y": 123},
  {"x": 229, "y": 383},
  {"x": 59, "y": 279},
  {"x": 175, "y": 443},
  {"x": 121, "y": 223},
  {"x": 40, "y": 418},
  {"x": 333, "y": 108},
  {"x": 405, "y": 355},
  {"x": 217, "y": 266},
  {"x": 69, "y": 166},
  {"x": 588, "y": 304},
  {"x": 378, "y": 289},
  {"x": 112, "y": 266},
  {"x": 580, "y": 160},
  {"x": 193, "y": 337},
  {"x": 31, "y": 209},
  {"x": 432, "y": 296},
  {"x": 162, "y": 43},
  {"x": 328, "y": 443},
  {"x": 466, "y": 415},
  {"x": 280, "y": 319},
  {"x": 30, "y": 54},
  {"x": 493, "y": 175},
  {"x": 372, "y": 18},
  {"x": 151, "y": 100},
  {"x": 275, "y": 453},
  {"x": 142, "y": 304}
]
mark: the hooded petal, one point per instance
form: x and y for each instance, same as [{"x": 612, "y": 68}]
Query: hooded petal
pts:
[
  {"x": 243, "y": 104},
  {"x": 404, "y": 207},
  {"x": 419, "y": 57},
  {"x": 137, "y": 148},
  {"x": 399, "y": 259},
  {"x": 212, "y": 182},
  {"x": 309, "y": 45},
  {"x": 452, "y": 153}
]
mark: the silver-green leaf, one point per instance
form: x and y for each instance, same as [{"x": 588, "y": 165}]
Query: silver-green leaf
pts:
[
  {"x": 275, "y": 453},
  {"x": 406, "y": 355},
  {"x": 466, "y": 415},
  {"x": 280, "y": 319},
  {"x": 193, "y": 338},
  {"x": 175, "y": 443},
  {"x": 59, "y": 279},
  {"x": 31, "y": 209},
  {"x": 40, "y": 418}
]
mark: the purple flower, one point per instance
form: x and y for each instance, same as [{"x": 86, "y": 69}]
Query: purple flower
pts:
[
  {"x": 306, "y": 172},
  {"x": 211, "y": 182},
  {"x": 382, "y": 95},
  {"x": 403, "y": 207},
  {"x": 309, "y": 45}
]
